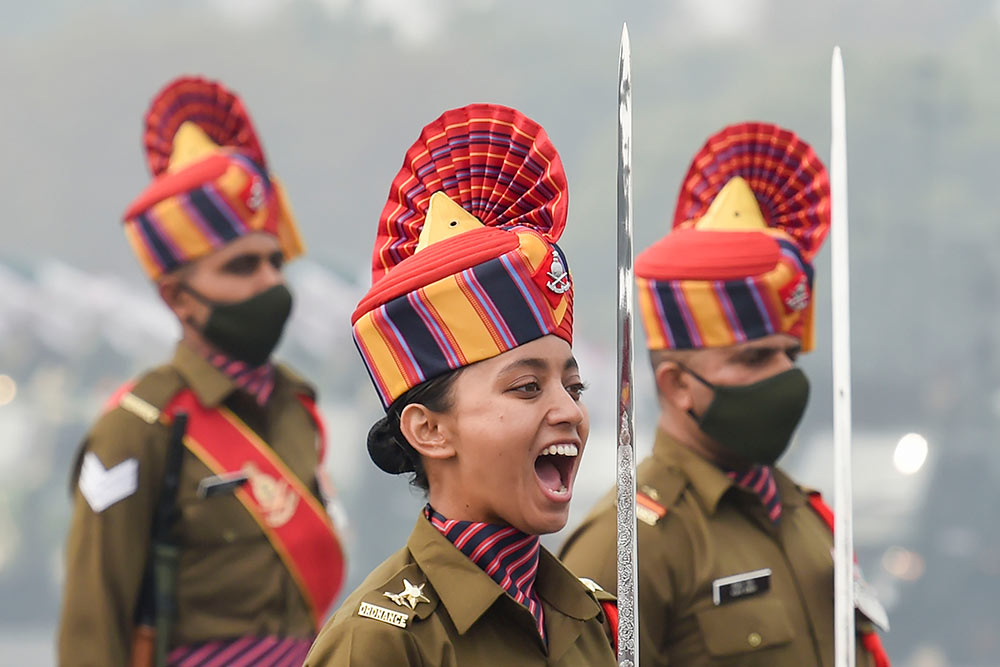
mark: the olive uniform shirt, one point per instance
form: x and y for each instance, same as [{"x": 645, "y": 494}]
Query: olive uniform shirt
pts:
[
  {"x": 230, "y": 580},
  {"x": 466, "y": 620},
  {"x": 708, "y": 528}
]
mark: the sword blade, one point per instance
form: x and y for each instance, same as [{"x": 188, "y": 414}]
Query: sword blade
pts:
[
  {"x": 843, "y": 530},
  {"x": 628, "y": 621}
]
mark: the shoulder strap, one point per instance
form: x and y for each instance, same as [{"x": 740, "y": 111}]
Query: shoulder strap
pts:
[
  {"x": 609, "y": 605},
  {"x": 654, "y": 501},
  {"x": 147, "y": 396},
  {"x": 287, "y": 511}
]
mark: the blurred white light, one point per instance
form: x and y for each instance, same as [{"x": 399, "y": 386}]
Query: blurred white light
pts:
[
  {"x": 8, "y": 389},
  {"x": 910, "y": 454},
  {"x": 903, "y": 563}
]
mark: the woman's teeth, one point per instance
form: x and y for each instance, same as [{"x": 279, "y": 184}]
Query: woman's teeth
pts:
[{"x": 560, "y": 450}]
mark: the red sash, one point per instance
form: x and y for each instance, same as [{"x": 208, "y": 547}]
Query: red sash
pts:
[
  {"x": 291, "y": 517},
  {"x": 870, "y": 640}
]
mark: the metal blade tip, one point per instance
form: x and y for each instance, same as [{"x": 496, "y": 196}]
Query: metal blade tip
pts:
[{"x": 624, "y": 33}]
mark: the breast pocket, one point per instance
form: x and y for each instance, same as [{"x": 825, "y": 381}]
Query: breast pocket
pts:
[
  {"x": 210, "y": 522},
  {"x": 744, "y": 627}
]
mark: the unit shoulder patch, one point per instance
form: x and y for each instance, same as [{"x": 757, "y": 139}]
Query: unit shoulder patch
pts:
[
  {"x": 647, "y": 506},
  {"x": 103, "y": 487}
]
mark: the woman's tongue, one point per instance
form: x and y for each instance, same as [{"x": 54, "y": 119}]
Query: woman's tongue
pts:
[{"x": 548, "y": 473}]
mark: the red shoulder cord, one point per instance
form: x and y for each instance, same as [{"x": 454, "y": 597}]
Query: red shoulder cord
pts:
[
  {"x": 870, "y": 640},
  {"x": 610, "y": 608},
  {"x": 310, "y": 405}
]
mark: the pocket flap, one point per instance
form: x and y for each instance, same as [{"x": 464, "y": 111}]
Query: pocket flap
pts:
[{"x": 745, "y": 626}]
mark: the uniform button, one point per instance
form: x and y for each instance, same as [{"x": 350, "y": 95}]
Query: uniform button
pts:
[
  {"x": 229, "y": 535},
  {"x": 754, "y": 639}
]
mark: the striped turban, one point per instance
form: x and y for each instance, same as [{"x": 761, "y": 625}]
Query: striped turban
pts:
[
  {"x": 465, "y": 265},
  {"x": 752, "y": 213},
  {"x": 211, "y": 182}
]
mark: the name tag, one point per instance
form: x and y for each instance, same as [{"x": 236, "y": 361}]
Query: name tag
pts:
[
  {"x": 218, "y": 485},
  {"x": 737, "y": 586}
]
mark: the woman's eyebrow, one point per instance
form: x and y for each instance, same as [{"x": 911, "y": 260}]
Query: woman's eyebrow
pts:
[
  {"x": 530, "y": 363},
  {"x": 571, "y": 365}
]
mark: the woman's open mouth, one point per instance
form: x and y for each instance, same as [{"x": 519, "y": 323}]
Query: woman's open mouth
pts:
[{"x": 555, "y": 468}]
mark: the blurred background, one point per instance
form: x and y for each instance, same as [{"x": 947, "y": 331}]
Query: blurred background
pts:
[{"x": 340, "y": 88}]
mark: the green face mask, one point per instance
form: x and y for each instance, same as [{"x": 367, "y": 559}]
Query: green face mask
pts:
[
  {"x": 247, "y": 330},
  {"x": 755, "y": 421}
]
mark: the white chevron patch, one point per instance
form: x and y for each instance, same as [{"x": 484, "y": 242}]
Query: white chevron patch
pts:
[{"x": 104, "y": 487}]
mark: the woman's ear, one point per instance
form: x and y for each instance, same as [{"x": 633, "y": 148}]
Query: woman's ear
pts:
[
  {"x": 426, "y": 431},
  {"x": 673, "y": 386}
]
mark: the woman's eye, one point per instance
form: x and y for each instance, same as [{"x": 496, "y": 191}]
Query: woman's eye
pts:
[
  {"x": 575, "y": 390},
  {"x": 528, "y": 388}
]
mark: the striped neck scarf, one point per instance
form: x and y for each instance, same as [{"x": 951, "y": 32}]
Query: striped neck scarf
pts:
[
  {"x": 760, "y": 481},
  {"x": 509, "y": 556},
  {"x": 257, "y": 381}
]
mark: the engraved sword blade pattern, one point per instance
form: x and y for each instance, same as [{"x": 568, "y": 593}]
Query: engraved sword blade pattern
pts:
[
  {"x": 843, "y": 532},
  {"x": 628, "y": 621}
]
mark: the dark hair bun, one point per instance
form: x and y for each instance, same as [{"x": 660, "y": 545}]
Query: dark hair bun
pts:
[{"x": 385, "y": 449}]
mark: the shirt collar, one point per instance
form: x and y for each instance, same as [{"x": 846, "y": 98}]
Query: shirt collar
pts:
[
  {"x": 467, "y": 592},
  {"x": 710, "y": 482},
  {"x": 507, "y": 555},
  {"x": 255, "y": 381},
  {"x": 211, "y": 386}
]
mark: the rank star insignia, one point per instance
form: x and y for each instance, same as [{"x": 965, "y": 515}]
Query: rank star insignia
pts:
[
  {"x": 410, "y": 596},
  {"x": 559, "y": 282}
]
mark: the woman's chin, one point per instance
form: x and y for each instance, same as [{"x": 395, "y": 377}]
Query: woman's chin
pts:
[{"x": 546, "y": 522}]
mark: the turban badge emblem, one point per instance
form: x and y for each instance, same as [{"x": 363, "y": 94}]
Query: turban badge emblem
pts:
[{"x": 558, "y": 276}]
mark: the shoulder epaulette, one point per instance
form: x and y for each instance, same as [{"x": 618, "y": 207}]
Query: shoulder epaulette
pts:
[
  {"x": 595, "y": 588},
  {"x": 647, "y": 509},
  {"x": 652, "y": 503},
  {"x": 148, "y": 395}
]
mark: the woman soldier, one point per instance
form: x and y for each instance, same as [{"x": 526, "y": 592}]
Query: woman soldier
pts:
[{"x": 466, "y": 334}]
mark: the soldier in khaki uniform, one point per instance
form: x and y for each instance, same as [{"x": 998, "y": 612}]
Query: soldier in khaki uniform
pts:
[
  {"x": 256, "y": 560},
  {"x": 735, "y": 558},
  {"x": 466, "y": 333}
]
